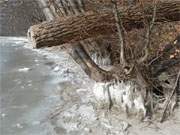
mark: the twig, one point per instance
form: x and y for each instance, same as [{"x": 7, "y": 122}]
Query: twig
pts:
[
  {"x": 148, "y": 34},
  {"x": 171, "y": 95},
  {"x": 119, "y": 25}
]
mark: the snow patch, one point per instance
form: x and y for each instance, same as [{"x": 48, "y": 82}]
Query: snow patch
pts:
[
  {"x": 87, "y": 113},
  {"x": 25, "y": 69},
  {"x": 56, "y": 69},
  {"x": 18, "y": 125},
  {"x": 3, "y": 115}
]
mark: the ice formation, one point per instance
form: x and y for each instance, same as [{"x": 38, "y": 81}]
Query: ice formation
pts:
[{"x": 125, "y": 95}]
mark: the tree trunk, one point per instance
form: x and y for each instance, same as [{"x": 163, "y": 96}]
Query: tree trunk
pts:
[
  {"x": 84, "y": 26},
  {"x": 76, "y": 51},
  {"x": 72, "y": 29}
]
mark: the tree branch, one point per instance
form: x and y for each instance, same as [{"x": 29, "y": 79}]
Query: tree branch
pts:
[
  {"x": 120, "y": 31},
  {"x": 170, "y": 97},
  {"x": 148, "y": 35}
]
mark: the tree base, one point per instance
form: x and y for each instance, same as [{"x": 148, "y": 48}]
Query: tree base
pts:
[{"x": 124, "y": 95}]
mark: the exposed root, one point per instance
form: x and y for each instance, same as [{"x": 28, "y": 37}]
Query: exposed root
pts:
[{"x": 170, "y": 103}]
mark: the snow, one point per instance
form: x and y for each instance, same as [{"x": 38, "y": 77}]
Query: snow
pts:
[
  {"x": 25, "y": 69},
  {"x": 56, "y": 69},
  {"x": 18, "y": 125},
  {"x": 3, "y": 115}
]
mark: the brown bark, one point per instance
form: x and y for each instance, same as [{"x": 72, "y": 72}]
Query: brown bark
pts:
[
  {"x": 73, "y": 29},
  {"x": 82, "y": 58}
]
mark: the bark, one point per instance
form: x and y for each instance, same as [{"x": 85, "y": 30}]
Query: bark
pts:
[
  {"x": 82, "y": 58},
  {"x": 90, "y": 25}
]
